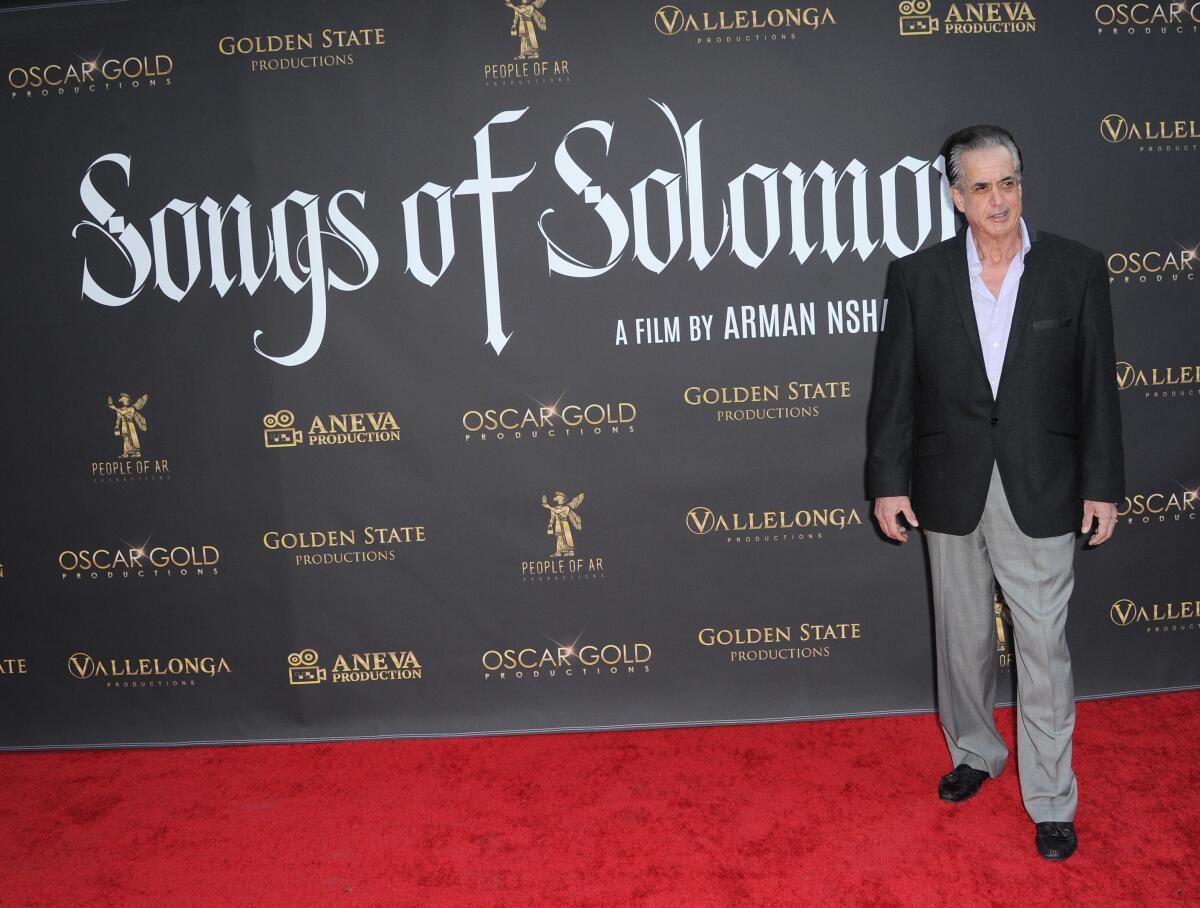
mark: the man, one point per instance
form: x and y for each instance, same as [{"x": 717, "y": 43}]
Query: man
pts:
[{"x": 994, "y": 404}]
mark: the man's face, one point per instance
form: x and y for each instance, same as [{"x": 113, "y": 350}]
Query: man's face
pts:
[{"x": 991, "y": 199}]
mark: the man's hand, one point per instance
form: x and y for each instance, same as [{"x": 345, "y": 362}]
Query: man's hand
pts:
[
  {"x": 888, "y": 509},
  {"x": 1103, "y": 511}
]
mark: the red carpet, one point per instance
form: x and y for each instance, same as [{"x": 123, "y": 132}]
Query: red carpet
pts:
[{"x": 825, "y": 813}]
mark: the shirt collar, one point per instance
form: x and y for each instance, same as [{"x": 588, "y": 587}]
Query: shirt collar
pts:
[{"x": 973, "y": 262}]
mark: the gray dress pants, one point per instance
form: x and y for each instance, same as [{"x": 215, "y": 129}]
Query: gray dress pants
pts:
[{"x": 1036, "y": 577}]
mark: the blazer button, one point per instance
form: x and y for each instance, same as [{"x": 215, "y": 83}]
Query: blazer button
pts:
[{"x": 995, "y": 420}]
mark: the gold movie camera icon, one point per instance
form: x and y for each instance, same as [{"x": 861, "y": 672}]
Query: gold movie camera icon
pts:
[
  {"x": 279, "y": 431},
  {"x": 915, "y": 19},
  {"x": 303, "y": 668}
]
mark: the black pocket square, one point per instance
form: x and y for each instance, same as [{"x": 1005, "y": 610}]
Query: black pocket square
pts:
[{"x": 1045, "y": 323}]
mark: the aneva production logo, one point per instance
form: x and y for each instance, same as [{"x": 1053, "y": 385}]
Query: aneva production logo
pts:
[
  {"x": 127, "y": 561},
  {"x": 354, "y": 668},
  {"x": 577, "y": 660},
  {"x": 1156, "y": 617},
  {"x": 768, "y": 526},
  {"x": 531, "y": 63},
  {"x": 72, "y": 75},
  {"x": 563, "y": 526},
  {"x": 765, "y": 402},
  {"x": 147, "y": 671},
  {"x": 745, "y": 25},
  {"x": 917, "y": 18},
  {"x": 1159, "y": 382},
  {"x": 354, "y": 546},
  {"x": 1151, "y": 135},
  {"x": 297, "y": 51},
  {"x": 126, "y": 461},
  {"x": 372, "y": 427}
]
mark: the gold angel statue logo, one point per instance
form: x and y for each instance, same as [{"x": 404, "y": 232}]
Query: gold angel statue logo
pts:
[
  {"x": 564, "y": 518},
  {"x": 129, "y": 422},
  {"x": 1003, "y": 624},
  {"x": 527, "y": 19}
]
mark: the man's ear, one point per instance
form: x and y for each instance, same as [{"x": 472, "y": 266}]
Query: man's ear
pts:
[{"x": 957, "y": 197}]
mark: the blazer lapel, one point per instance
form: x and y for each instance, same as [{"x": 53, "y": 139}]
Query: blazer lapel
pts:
[
  {"x": 1035, "y": 267},
  {"x": 960, "y": 280}
]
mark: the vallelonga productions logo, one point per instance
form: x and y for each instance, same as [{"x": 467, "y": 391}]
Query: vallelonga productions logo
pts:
[
  {"x": 794, "y": 643},
  {"x": 13, "y": 666},
  {"x": 566, "y": 660},
  {"x": 175, "y": 671},
  {"x": 1160, "y": 382},
  {"x": 530, "y": 65},
  {"x": 279, "y": 429},
  {"x": 1177, "y": 17},
  {"x": 95, "y": 76},
  {"x": 365, "y": 545},
  {"x": 1154, "y": 266},
  {"x": 128, "y": 463},
  {"x": 752, "y": 403},
  {"x": 799, "y": 525},
  {"x": 353, "y": 668},
  {"x": 550, "y": 420},
  {"x": 989, "y": 18},
  {"x": 1151, "y": 135},
  {"x": 742, "y": 26},
  {"x": 1160, "y": 507},
  {"x": 563, "y": 523},
  {"x": 300, "y": 50},
  {"x": 127, "y": 562},
  {"x": 1158, "y": 617}
]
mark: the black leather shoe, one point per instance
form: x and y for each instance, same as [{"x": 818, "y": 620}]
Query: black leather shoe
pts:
[
  {"x": 1056, "y": 841},
  {"x": 961, "y": 783}
]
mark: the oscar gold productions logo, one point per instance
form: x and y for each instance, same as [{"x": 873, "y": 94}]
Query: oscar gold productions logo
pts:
[
  {"x": 1158, "y": 617},
  {"x": 555, "y": 420},
  {"x": 785, "y": 525},
  {"x": 128, "y": 562},
  {"x": 1176, "y": 17},
  {"x": 793, "y": 643},
  {"x": 1161, "y": 506},
  {"x": 563, "y": 523},
  {"x": 742, "y": 26},
  {"x": 989, "y": 18},
  {"x": 556, "y": 661},
  {"x": 1150, "y": 135},
  {"x": 531, "y": 65},
  {"x": 280, "y": 431},
  {"x": 754, "y": 403},
  {"x": 96, "y": 75},
  {"x": 354, "y": 668},
  {"x": 1160, "y": 381},
  {"x": 129, "y": 464},
  {"x": 365, "y": 545},
  {"x": 1154, "y": 266},
  {"x": 294, "y": 51},
  {"x": 147, "y": 671}
]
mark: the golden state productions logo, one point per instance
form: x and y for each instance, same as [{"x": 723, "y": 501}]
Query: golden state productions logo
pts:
[
  {"x": 1154, "y": 266},
  {"x": 530, "y": 64},
  {"x": 147, "y": 671},
  {"x": 793, "y": 643},
  {"x": 990, "y": 18},
  {"x": 798, "y": 525},
  {"x": 354, "y": 668},
  {"x": 294, "y": 51},
  {"x": 555, "y": 661},
  {"x": 96, "y": 75},
  {"x": 127, "y": 463},
  {"x": 557, "y": 420},
  {"x": 1161, "y": 506},
  {"x": 741, "y": 26},
  {"x": 563, "y": 525},
  {"x": 280, "y": 431},
  {"x": 1156, "y": 617},
  {"x": 754, "y": 403},
  {"x": 1160, "y": 381},
  {"x": 1151, "y": 135},
  {"x": 1176, "y": 17},
  {"x": 358, "y": 545},
  {"x": 13, "y": 666},
  {"x": 135, "y": 562}
]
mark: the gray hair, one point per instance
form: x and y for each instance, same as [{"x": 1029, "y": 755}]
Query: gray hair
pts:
[{"x": 977, "y": 138}]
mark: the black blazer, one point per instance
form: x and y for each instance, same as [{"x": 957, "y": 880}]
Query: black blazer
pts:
[{"x": 1054, "y": 427}]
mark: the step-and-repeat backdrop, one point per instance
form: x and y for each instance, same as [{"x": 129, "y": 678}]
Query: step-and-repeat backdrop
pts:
[{"x": 461, "y": 367}]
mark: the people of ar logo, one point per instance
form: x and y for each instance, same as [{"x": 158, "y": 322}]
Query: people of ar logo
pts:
[
  {"x": 128, "y": 463},
  {"x": 563, "y": 522},
  {"x": 528, "y": 67}
]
